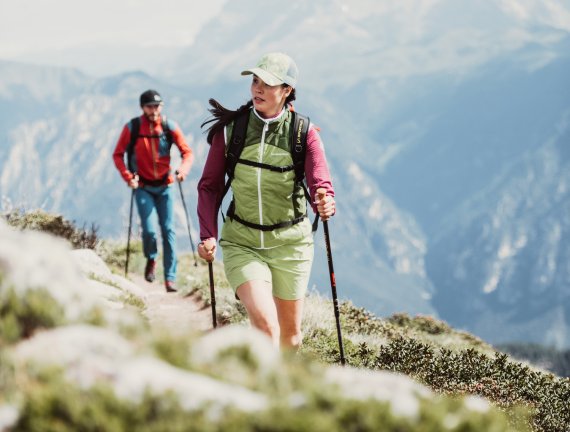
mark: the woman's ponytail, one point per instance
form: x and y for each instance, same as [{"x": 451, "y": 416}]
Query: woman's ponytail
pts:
[{"x": 221, "y": 116}]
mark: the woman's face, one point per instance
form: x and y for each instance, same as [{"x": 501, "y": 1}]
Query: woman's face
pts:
[{"x": 268, "y": 100}]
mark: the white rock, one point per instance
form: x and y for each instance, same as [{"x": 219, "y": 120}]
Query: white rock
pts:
[
  {"x": 86, "y": 353},
  {"x": 90, "y": 354},
  {"x": 206, "y": 349},
  {"x": 477, "y": 404},
  {"x": 128, "y": 286},
  {"x": 92, "y": 264},
  {"x": 193, "y": 390},
  {"x": 9, "y": 415},
  {"x": 34, "y": 260},
  {"x": 400, "y": 391},
  {"x": 31, "y": 260},
  {"x": 104, "y": 290}
]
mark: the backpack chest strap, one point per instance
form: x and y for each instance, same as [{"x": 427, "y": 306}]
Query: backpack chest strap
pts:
[
  {"x": 279, "y": 169},
  {"x": 231, "y": 214}
]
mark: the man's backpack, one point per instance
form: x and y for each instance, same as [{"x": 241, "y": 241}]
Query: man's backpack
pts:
[
  {"x": 135, "y": 125},
  {"x": 297, "y": 146}
]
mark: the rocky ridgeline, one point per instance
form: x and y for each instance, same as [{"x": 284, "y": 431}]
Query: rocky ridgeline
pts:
[{"x": 77, "y": 353}]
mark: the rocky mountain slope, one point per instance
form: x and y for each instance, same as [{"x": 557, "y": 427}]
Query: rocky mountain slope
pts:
[{"x": 447, "y": 140}]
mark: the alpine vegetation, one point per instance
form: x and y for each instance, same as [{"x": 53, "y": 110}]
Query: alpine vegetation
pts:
[{"x": 76, "y": 354}]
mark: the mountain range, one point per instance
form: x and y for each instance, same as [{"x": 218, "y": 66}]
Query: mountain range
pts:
[{"x": 446, "y": 126}]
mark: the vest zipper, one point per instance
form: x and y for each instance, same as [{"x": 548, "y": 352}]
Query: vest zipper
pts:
[{"x": 260, "y": 160}]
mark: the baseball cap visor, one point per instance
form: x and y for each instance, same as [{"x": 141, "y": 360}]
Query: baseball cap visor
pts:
[{"x": 267, "y": 77}]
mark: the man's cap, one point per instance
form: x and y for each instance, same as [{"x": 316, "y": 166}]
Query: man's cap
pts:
[
  {"x": 150, "y": 97},
  {"x": 275, "y": 68}
]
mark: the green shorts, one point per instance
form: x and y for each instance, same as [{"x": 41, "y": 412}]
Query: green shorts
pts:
[{"x": 286, "y": 268}]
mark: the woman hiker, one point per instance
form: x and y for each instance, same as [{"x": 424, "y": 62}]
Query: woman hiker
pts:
[{"x": 266, "y": 239}]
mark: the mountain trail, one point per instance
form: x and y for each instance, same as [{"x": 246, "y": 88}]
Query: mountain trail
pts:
[{"x": 172, "y": 311}]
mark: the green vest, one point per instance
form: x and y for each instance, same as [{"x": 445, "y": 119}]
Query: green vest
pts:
[{"x": 262, "y": 196}]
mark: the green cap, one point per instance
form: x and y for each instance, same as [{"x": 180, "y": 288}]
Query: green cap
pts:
[{"x": 274, "y": 69}]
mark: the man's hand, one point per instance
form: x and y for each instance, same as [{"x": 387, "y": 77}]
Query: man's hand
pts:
[
  {"x": 207, "y": 249},
  {"x": 134, "y": 182},
  {"x": 179, "y": 176}
]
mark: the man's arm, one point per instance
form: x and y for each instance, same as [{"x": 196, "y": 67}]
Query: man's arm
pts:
[
  {"x": 119, "y": 154},
  {"x": 185, "y": 152}
]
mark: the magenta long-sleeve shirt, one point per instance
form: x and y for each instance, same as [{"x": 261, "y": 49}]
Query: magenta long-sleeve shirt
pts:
[{"x": 211, "y": 185}]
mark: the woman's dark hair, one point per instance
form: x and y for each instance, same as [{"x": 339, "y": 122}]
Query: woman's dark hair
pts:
[{"x": 222, "y": 116}]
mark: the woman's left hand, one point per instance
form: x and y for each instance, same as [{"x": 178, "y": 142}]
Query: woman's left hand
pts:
[
  {"x": 207, "y": 249},
  {"x": 325, "y": 206}
]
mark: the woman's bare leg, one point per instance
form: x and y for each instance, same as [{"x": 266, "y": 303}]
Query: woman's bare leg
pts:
[
  {"x": 290, "y": 315},
  {"x": 257, "y": 298}
]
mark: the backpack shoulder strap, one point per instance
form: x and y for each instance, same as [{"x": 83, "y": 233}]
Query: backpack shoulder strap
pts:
[
  {"x": 234, "y": 149},
  {"x": 135, "y": 125},
  {"x": 236, "y": 144},
  {"x": 299, "y": 143},
  {"x": 167, "y": 131}
]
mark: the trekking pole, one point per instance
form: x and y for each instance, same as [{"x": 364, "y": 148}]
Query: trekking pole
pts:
[
  {"x": 320, "y": 195},
  {"x": 212, "y": 294},
  {"x": 129, "y": 232},
  {"x": 187, "y": 223}
]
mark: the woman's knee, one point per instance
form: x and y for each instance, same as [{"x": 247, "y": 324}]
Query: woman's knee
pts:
[
  {"x": 258, "y": 301},
  {"x": 291, "y": 339},
  {"x": 266, "y": 324}
]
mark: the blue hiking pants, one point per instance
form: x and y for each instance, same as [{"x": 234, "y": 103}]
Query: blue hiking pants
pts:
[{"x": 158, "y": 200}]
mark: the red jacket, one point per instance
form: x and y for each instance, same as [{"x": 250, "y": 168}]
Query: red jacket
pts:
[{"x": 152, "y": 154}]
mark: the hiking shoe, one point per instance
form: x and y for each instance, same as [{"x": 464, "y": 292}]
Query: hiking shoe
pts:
[
  {"x": 149, "y": 270},
  {"x": 170, "y": 287}
]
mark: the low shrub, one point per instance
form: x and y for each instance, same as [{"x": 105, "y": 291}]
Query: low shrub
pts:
[
  {"x": 21, "y": 317},
  {"x": 56, "y": 225},
  {"x": 505, "y": 383}
]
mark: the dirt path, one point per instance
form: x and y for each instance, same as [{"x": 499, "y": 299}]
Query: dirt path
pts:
[{"x": 176, "y": 313}]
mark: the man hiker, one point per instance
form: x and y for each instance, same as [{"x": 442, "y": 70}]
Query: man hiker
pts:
[{"x": 147, "y": 140}]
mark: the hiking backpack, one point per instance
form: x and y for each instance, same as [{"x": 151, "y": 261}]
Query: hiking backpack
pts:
[
  {"x": 135, "y": 125},
  {"x": 297, "y": 147}
]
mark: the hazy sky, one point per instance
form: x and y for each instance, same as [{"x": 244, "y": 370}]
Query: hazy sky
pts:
[
  {"x": 106, "y": 37},
  {"x": 38, "y": 29}
]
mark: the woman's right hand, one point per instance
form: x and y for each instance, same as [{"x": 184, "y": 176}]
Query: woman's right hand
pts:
[
  {"x": 325, "y": 204},
  {"x": 207, "y": 249}
]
